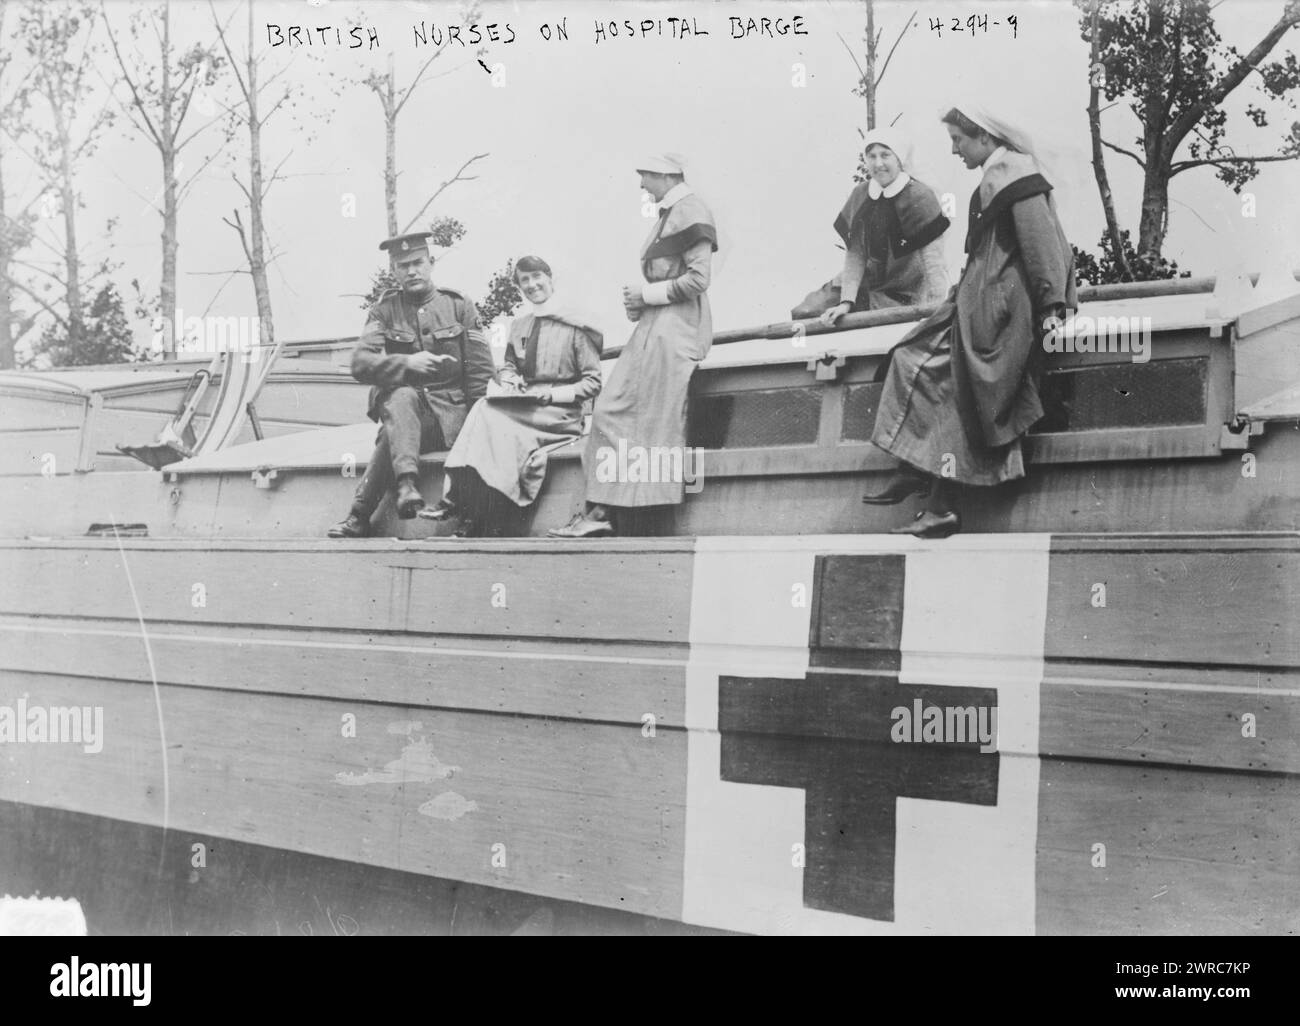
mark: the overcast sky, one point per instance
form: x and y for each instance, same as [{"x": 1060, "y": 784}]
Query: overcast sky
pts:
[{"x": 768, "y": 124}]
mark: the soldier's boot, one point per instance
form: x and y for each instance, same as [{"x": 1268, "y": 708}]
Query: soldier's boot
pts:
[
  {"x": 369, "y": 493},
  {"x": 351, "y": 526},
  {"x": 409, "y": 499}
]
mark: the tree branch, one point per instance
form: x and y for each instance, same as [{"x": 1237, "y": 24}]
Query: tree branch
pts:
[
  {"x": 186, "y": 95},
  {"x": 274, "y": 174},
  {"x": 189, "y": 182},
  {"x": 406, "y": 95},
  {"x": 15, "y": 283},
  {"x": 182, "y": 143},
  {"x": 884, "y": 67},
  {"x": 278, "y": 104},
  {"x": 238, "y": 225},
  {"x": 458, "y": 177},
  {"x": 1234, "y": 76},
  {"x": 126, "y": 77},
  {"x": 39, "y": 270},
  {"x": 1128, "y": 153},
  {"x": 861, "y": 74},
  {"x": 1186, "y": 165},
  {"x": 217, "y": 294},
  {"x": 221, "y": 34},
  {"x": 24, "y": 326}
]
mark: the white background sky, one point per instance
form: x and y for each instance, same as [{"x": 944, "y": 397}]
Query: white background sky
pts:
[{"x": 566, "y": 130}]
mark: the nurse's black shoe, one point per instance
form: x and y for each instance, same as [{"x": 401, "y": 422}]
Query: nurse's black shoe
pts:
[
  {"x": 900, "y": 487},
  {"x": 928, "y": 524},
  {"x": 582, "y": 526}
]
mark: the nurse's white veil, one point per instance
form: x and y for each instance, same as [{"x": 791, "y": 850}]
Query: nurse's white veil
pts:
[
  {"x": 710, "y": 182},
  {"x": 1002, "y": 118}
]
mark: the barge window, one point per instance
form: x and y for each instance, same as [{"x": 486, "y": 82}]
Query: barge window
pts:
[
  {"x": 755, "y": 419},
  {"x": 859, "y": 412},
  {"x": 1125, "y": 395}
]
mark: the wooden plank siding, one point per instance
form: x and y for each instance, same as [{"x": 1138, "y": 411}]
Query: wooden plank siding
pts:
[
  {"x": 583, "y": 811},
  {"x": 132, "y": 879},
  {"x": 770, "y": 672}
]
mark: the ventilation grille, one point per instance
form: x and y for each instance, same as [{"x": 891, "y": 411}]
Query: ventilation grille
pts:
[
  {"x": 1125, "y": 395},
  {"x": 860, "y": 405},
  {"x": 745, "y": 420}
]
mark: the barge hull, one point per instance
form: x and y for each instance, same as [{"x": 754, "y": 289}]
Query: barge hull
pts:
[{"x": 695, "y": 730}]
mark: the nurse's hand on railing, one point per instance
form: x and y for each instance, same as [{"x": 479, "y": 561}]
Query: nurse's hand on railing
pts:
[{"x": 835, "y": 313}]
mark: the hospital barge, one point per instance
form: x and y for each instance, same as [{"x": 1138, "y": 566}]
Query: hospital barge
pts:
[{"x": 695, "y": 728}]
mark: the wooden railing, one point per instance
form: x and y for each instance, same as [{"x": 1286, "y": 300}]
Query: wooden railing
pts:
[{"x": 905, "y": 314}]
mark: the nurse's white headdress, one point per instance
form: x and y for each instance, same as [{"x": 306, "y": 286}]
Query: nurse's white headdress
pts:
[
  {"x": 891, "y": 139},
  {"x": 663, "y": 164}
]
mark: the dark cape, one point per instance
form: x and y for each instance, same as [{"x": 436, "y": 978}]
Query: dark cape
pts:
[
  {"x": 962, "y": 386},
  {"x": 906, "y": 222}
]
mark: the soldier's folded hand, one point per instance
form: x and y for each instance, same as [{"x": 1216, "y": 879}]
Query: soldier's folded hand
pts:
[{"x": 426, "y": 363}]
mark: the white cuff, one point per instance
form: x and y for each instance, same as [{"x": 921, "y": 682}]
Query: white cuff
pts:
[
  {"x": 656, "y": 293},
  {"x": 564, "y": 393}
]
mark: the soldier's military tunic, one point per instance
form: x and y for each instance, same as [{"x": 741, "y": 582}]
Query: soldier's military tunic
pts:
[{"x": 419, "y": 412}]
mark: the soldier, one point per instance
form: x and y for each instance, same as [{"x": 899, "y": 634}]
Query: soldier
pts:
[{"x": 424, "y": 353}]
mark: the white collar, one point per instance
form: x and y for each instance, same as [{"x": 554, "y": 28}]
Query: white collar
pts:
[
  {"x": 553, "y": 306},
  {"x": 994, "y": 157},
  {"x": 891, "y": 190},
  {"x": 679, "y": 191}
]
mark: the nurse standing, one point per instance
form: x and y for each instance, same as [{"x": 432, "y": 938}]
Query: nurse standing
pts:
[{"x": 636, "y": 454}]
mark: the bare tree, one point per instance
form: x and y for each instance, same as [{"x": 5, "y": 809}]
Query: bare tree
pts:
[
  {"x": 393, "y": 99},
  {"x": 249, "y": 113},
  {"x": 1095, "y": 77},
  {"x": 60, "y": 42},
  {"x": 869, "y": 78},
  {"x": 15, "y": 227},
  {"x": 162, "y": 88}
]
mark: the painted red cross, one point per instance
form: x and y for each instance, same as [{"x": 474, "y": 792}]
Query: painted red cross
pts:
[{"x": 829, "y": 735}]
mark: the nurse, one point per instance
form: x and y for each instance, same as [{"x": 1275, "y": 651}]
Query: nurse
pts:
[
  {"x": 642, "y": 410},
  {"x": 962, "y": 387},
  {"x": 551, "y": 371},
  {"x": 892, "y": 228}
]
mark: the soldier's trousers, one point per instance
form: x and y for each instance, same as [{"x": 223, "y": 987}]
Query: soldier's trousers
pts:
[{"x": 412, "y": 421}]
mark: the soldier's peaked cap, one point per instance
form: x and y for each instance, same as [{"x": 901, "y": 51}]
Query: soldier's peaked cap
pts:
[{"x": 400, "y": 245}]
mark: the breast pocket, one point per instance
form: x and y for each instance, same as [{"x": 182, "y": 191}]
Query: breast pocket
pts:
[
  {"x": 446, "y": 341},
  {"x": 399, "y": 340}
]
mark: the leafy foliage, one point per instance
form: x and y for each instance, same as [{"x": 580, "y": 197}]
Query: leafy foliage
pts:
[
  {"x": 1105, "y": 271},
  {"x": 502, "y": 298},
  {"x": 447, "y": 231},
  {"x": 1164, "y": 59},
  {"x": 53, "y": 35},
  {"x": 108, "y": 336},
  {"x": 381, "y": 281}
]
